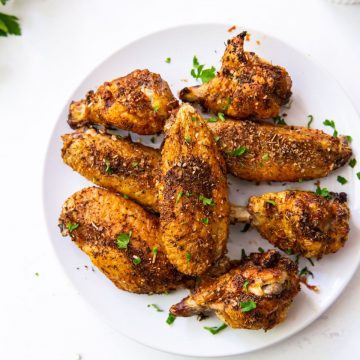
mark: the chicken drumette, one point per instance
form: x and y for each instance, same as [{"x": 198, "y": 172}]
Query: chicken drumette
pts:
[
  {"x": 138, "y": 102},
  {"x": 245, "y": 87},
  {"x": 253, "y": 295},
  {"x": 121, "y": 239},
  {"x": 194, "y": 207}
]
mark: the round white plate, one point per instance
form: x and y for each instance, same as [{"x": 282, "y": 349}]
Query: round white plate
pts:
[{"x": 314, "y": 92}]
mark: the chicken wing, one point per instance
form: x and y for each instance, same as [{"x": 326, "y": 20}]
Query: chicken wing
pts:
[
  {"x": 302, "y": 222},
  {"x": 267, "y": 152},
  {"x": 194, "y": 207},
  {"x": 114, "y": 163},
  {"x": 138, "y": 102},
  {"x": 121, "y": 239},
  {"x": 253, "y": 295},
  {"x": 245, "y": 87}
]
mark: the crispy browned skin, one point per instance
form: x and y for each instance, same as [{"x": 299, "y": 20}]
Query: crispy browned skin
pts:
[
  {"x": 114, "y": 163},
  {"x": 279, "y": 153},
  {"x": 245, "y": 87},
  {"x": 102, "y": 216},
  {"x": 194, "y": 234},
  {"x": 138, "y": 102},
  {"x": 301, "y": 221},
  {"x": 267, "y": 279}
]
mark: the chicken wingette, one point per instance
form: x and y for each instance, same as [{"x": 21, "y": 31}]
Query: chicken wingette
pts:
[
  {"x": 245, "y": 87},
  {"x": 302, "y": 222},
  {"x": 121, "y": 239},
  {"x": 138, "y": 102},
  {"x": 194, "y": 206},
  {"x": 253, "y": 295},
  {"x": 115, "y": 163}
]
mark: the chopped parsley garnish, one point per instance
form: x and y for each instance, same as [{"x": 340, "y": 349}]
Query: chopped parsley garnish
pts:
[
  {"x": 123, "y": 239},
  {"x": 193, "y": 118},
  {"x": 271, "y": 202},
  {"x": 358, "y": 175},
  {"x": 108, "y": 169},
  {"x": 212, "y": 119},
  {"x": 324, "y": 192},
  {"x": 311, "y": 119},
  {"x": 341, "y": 180},
  {"x": 170, "y": 319},
  {"x": 188, "y": 139},
  {"x": 247, "y": 305},
  {"x": 125, "y": 196},
  {"x": 221, "y": 116},
  {"x": 188, "y": 257},
  {"x": 198, "y": 71},
  {"x": 261, "y": 250},
  {"x": 188, "y": 194},
  {"x": 288, "y": 251},
  {"x": 348, "y": 138},
  {"x": 305, "y": 272},
  {"x": 331, "y": 123},
  {"x": 217, "y": 138},
  {"x": 156, "y": 307},
  {"x": 153, "y": 139},
  {"x": 243, "y": 254},
  {"x": 205, "y": 221},
  {"x": 135, "y": 164},
  {"x": 352, "y": 163},
  {"x": 136, "y": 260},
  {"x": 245, "y": 286},
  {"x": 215, "y": 329},
  {"x": 265, "y": 157},
  {"x": 238, "y": 152},
  {"x": 279, "y": 120},
  {"x": 168, "y": 60},
  {"x": 310, "y": 261},
  {"x": 206, "y": 201},
  {"x": 154, "y": 251},
  {"x": 179, "y": 195},
  {"x": 36, "y": 274},
  {"x": 9, "y": 24},
  {"x": 72, "y": 226},
  {"x": 156, "y": 107},
  {"x": 228, "y": 102}
]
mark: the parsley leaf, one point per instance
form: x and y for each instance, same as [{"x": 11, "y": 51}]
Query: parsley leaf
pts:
[
  {"x": 154, "y": 252},
  {"x": 9, "y": 24},
  {"x": 238, "y": 152},
  {"x": 348, "y": 138},
  {"x": 331, "y": 123},
  {"x": 245, "y": 285},
  {"x": 228, "y": 102},
  {"x": 271, "y": 202},
  {"x": 135, "y": 164},
  {"x": 168, "y": 60},
  {"x": 261, "y": 250},
  {"x": 179, "y": 195},
  {"x": 358, "y": 175},
  {"x": 305, "y": 271},
  {"x": 170, "y": 319},
  {"x": 206, "y": 201},
  {"x": 288, "y": 251},
  {"x": 311, "y": 119},
  {"x": 217, "y": 138},
  {"x": 136, "y": 260},
  {"x": 352, "y": 163},
  {"x": 243, "y": 254},
  {"x": 205, "y": 221},
  {"x": 341, "y": 180},
  {"x": 108, "y": 169},
  {"x": 279, "y": 120},
  {"x": 3, "y": 1},
  {"x": 156, "y": 307},
  {"x": 72, "y": 226},
  {"x": 324, "y": 192},
  {"x": 187, "y": 139},
  {"x": 247, "y": 305},
  {"x": 156, "y": 107},
  {"x": 123, "y": 240},
  {"x": 265, "y": 157},
  {"x": 188, "y": 257},
  {"x": 198, "y": 71},
  {"x": 221, "y": 116},
  {"x": 215, "y": 329}
]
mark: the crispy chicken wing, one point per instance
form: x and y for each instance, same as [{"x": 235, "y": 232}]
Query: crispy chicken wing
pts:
[
  {"x": 301, "y": 221},
  {"x": 253, "y": 295},
  {"x": 114, "y": 163},
  {"x": 267, "y": 152},
  {"x": 121, "y": 239},
  {"x": 194, "y": 207},
  {"x": 245, "y": 87},
  {"x": 138, "y": 102}
]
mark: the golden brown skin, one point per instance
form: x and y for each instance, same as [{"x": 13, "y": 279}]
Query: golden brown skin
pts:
[
  {"x": 268, "y": 279},
  {"x": 114, "y": 163},
  {"x": 245, "y": 87},
  {"x": 279, "y": 153},
  {"x": 194, "y": 233},
  {"x": 102, "y": 216},
  {"x": 138, "y": 102},
  {"x": 301, "y": 221}
]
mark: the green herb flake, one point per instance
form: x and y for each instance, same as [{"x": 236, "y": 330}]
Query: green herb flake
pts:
[
  {"x": 178, "y": 197},
  {"x": 156, "y": 107},
  {"x": 261, "y": 250},
  {"x": 193, "y": 118},
  {"x": 324, "y": 192},
  {"x": 9, "y": 24},
  {"x": 247, "y": 305},
  {"x": 136, "y": 260},
  {"x": 72, "y": 226},
  {"x": 217, "y": 138},
  {"x": 168, "y": 60},
  {"x": 245, "y": 286},
  {"x": 188, "y": 194},
  {"x": 310, "y": 261},
  {"x": 243, "y": 254},
  {"x": 153, "y": 139},
  {"x": 215, "y": 329},
  {"x": 37, "y": 274},
  {"x": 221, "y": 116},
  {"x": 305, "y": 272},
  {"x": 206, "y": 201},
  {"x": 123, "y": 240},
  {"x": 352, "y": 163},
  {"x": 156, "y": 307},
  {"x": 358, "y": 175},
  {"x": 265, "y": 157},
  {"x": 238, "y": 152},
  {"x": 188, "y": 139},
  {"x": 271, "y": 202},
  {"x": 228, "y": 102},
  {"x": 348, "y": 138},
  {"x": 170, "y": 319},
  {"x": 135, "y": 164},
  {"x": 188, "y": 257},
  {"x": 154, "y": 251},
  {"x": 311, "y": 119},
  {"x": 331, "y": 123},
  {"x": 108, "y": 169},
  {"x": 288, "y": 251},
  {"x": 205, "y": 221},
  {"x": 279, "y": 120},
  {"x": 125, "y": 196},
  {"x": 198, "y": 71},
  {"x": 341, "y": 180},
  {"x": 212, "y": 119}
]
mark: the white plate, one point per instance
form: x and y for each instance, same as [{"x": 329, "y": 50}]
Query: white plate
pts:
[{"x": 314, "y": 92}]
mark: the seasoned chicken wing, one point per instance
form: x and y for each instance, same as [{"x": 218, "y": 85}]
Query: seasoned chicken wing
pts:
[
  {"x": 302, "y": 222},
  {"x": 114, "y": 163},
  {"x": 245, "y": 87},
  {"x": 267, "y": 152},
  {"x": 138, "y": 102},
  {"x": 121, "y": 239},
  {"x": 194, "y": 207},
  {"x": 253, "y": 295}
]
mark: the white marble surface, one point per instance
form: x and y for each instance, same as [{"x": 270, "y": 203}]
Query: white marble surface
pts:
[{"x": 43, "y": 317}]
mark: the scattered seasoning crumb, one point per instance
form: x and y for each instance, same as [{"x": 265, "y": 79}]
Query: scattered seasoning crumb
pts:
[
  {"x": 247, "y": 37},
  {"x": 257, "y": 42},
  {"x": 232, "y": 28}
]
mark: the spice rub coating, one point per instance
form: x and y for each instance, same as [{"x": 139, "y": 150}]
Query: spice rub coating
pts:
[
  {"x": 114, "y": 163},
  {"x": 301, "y": 222},
  {"x": 194, "y": 206},
  {"x": 279, "y": 152},
  {"x": 245, "y": 87},
  {"x": 138, "y": 102},
  {"x": 100, "y": 216},
  {"x": 255, "y": 294}
]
